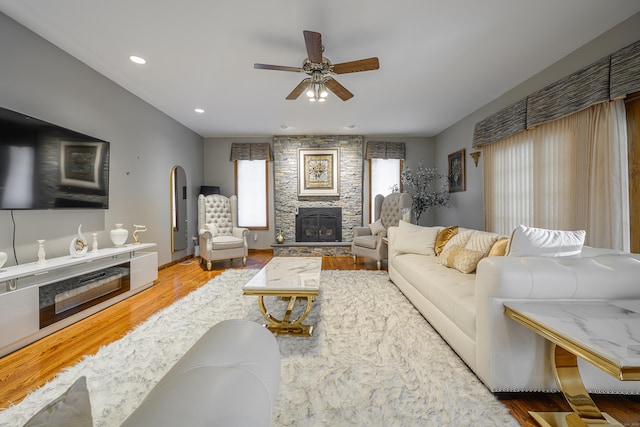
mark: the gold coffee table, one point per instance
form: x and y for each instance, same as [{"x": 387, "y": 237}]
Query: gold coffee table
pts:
[
  {"x": 292, "y": 279},
  {"x": 600, "y": 332}
]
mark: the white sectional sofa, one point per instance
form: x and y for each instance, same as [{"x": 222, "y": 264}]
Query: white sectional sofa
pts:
[{"x": 467, "y": 308}]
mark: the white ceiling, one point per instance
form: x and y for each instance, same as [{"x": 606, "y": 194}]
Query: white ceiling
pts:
[{"x": 440, "y": 60}]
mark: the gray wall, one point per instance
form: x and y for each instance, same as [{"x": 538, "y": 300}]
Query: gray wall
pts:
[
  {"x": 40, "y": 80},
  {"x": 467, "y": 207}
]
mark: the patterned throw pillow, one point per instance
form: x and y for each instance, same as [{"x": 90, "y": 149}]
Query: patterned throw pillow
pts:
[
  {"x": 443, "y": 237},
  {"x": 465, "y": 250},
  {"x": 377, "y": 227}
]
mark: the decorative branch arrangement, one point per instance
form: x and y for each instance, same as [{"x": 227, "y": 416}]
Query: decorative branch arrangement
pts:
[{"x": 418, "y": 185}]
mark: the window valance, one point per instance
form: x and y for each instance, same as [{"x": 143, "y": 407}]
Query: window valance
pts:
[
  {"x": 251, "y": 151},
  {"x": 385, "y": 150},
  {"x": 608, "y": 78},
  {"x": 577, "y": 91},
  {"x": 504, "y": 123},
  {"x": 625, "y": 71}
]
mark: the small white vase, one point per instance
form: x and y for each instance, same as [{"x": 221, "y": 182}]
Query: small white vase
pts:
[
  {"x": 3, "y": 258},
  {"x": 119, "y": 236},
  {"x": 41, "y": 252},
  {"x": 94, "y": 246}
]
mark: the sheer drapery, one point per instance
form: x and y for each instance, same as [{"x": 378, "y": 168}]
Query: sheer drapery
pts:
[{"x": 567, "y": 174}]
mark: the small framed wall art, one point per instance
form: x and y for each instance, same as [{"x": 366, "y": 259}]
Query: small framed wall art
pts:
[
  {"x": 456, "y": 172},
  {"x": 318, "y": 172}
]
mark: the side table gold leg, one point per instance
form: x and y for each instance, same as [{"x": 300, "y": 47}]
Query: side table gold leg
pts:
[{"x": 585, "y": 412}]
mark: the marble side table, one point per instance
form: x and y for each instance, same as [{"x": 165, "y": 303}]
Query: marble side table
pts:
[{"x": 604, "y": 333}]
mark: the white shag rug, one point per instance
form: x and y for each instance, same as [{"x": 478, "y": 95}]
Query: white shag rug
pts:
[{"x": 373, "y": 360}]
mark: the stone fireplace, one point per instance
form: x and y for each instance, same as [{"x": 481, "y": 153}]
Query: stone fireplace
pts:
[
  {"x": 288, "y": 203},
  {"x": 319, "y": 225}
]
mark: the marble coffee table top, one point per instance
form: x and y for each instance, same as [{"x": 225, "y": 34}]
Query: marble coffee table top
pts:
[
  {"x": 287, "y": 274},
  {"x": 609, "y": 329}
]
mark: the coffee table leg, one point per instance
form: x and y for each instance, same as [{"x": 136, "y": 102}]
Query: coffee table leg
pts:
[
  {"x": 286, "y": 326},
  {"x": 585, "y": 412}
]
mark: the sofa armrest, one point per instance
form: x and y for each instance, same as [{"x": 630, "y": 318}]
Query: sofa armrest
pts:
[
  {"x": 597, "y": 277},
  {"x": 235, "y": 362}
]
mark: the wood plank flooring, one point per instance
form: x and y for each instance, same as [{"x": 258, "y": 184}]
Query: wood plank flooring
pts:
[{"x": 30, "y": 367}]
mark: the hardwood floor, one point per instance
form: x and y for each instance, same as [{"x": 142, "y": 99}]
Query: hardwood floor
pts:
[{"x": 34, "y": 365}]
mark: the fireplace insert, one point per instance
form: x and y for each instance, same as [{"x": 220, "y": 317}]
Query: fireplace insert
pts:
[{"x": 319, "y": 225}]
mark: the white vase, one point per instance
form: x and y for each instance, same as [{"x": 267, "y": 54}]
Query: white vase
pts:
[
  {"x": 119, "y": 236},
  {"x": 3, "y": 258},
  {"x": 41, "y": 252},
  {"x": 94, "y": 245}
]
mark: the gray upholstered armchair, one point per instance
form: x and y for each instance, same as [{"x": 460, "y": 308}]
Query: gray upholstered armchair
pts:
[
  {"x": 389, "y": 211},
  {"x": 218, "y": 231}
]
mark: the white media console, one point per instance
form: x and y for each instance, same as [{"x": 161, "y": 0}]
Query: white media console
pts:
[{"x": 39, "y": 299}]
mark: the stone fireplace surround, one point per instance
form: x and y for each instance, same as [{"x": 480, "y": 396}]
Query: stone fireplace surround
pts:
[{"x": 287, "y": 202}]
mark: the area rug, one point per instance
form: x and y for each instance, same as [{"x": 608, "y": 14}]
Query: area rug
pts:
[{"x": 373, "y": 360}]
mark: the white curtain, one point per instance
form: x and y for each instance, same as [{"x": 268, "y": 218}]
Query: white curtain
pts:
[{"x": 568, "y": 174}]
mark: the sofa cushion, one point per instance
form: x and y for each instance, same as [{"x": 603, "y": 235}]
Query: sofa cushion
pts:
[
  {"x": 366, "y": 241},
  {"x": 446, "y": 288},
  {"x": 529, "y": 241},
  {"x": 226, "y": 242},
  {"x": 443, "y": 237},
  {"x": 415, "y": 239}
]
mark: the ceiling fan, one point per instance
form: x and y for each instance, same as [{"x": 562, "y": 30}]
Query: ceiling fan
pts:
[{"x": 321, "y": 71}]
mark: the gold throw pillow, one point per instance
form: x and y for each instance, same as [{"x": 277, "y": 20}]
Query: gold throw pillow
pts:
[{"x": 443, "y": 237}]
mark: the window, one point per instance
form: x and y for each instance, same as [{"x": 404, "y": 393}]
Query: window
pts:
[
  {"x": 384, "y": 177},
  {"x": 251, "y": 189}
]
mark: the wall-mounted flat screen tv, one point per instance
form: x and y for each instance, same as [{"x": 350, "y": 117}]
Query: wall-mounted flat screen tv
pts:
[{"x": 44, "y": 166}]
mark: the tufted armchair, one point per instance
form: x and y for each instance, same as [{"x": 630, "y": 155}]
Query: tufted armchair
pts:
[
  {"x": 218, "y": 231},
  {"x": 389, "y": 211}
]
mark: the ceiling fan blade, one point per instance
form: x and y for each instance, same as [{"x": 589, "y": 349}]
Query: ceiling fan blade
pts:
[
  {"x": 356, "y": 66},
  {"x": 313, "y": 41},
  {"x": 338, "y": 89},
  {"x": 277, "y": 67},
  {"x": 295, "y": 93}
]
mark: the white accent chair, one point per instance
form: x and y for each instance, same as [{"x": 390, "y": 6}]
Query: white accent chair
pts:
[
  {"x": 389, "y": 210},
  {"x": 219, "y": 235}
]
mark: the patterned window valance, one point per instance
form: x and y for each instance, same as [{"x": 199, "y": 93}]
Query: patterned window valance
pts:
[
  {"x": 385, "y": 150},
  {"x": 502, "y": 124},
  {"x": 625, "y": 71},
  {"x": 580, "y": 90},
  {"x": 251, "y": 151},
  {"x": 614, "y": 76}
]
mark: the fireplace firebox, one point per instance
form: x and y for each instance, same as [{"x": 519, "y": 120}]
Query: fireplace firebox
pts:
[{"x": 319, "y": 225}]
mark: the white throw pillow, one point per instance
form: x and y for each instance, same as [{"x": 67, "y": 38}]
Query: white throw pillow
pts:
[
  {"x": 529, "y": 241},
  {"x": 377, "y": 227},
  {"x": 415, "y": 239},
  {"x": 213, "y": 229}
]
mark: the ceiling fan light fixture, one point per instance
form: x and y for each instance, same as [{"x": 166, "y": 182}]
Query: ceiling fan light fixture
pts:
[{"x": 323, "y": 91}]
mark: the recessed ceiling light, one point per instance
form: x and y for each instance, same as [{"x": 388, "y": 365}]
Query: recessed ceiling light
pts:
[
  {"x": 350, "y": 126},
  {"x": 138, "y": 60},
  {"x": 199, "y": 110},
  {"x": 284, "y": 126}
]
